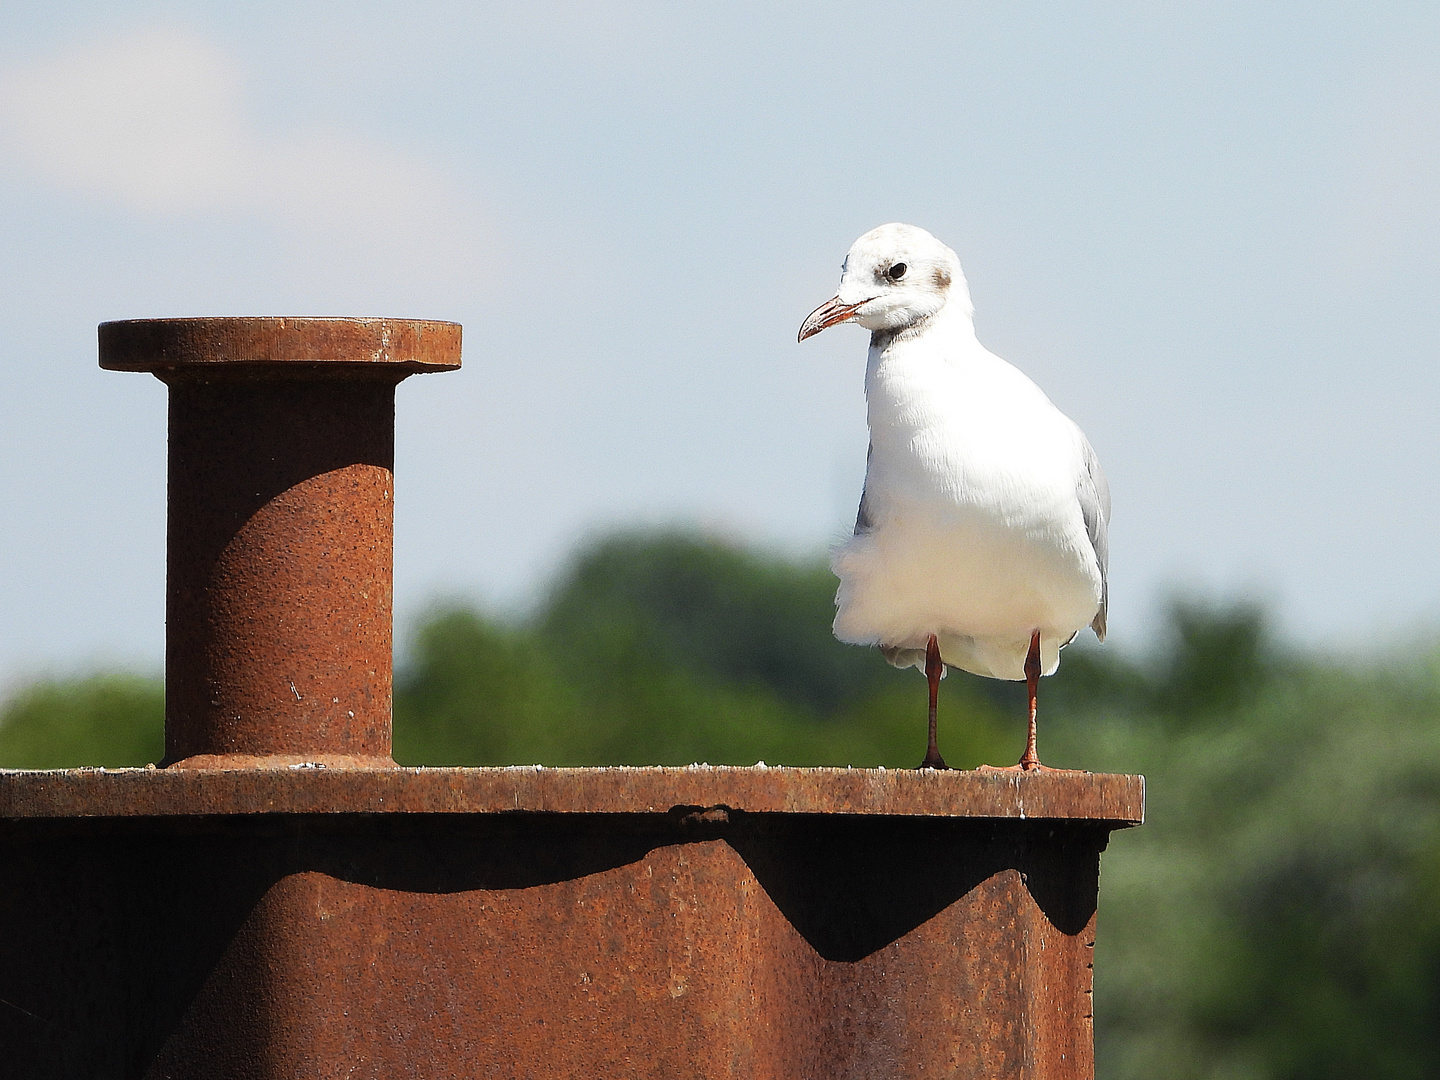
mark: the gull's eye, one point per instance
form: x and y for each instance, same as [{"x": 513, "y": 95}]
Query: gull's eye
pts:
[{"x": 896, "y": 272}]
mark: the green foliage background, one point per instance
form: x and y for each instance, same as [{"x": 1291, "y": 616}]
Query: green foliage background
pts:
[{"x": 1278, "y": 916}]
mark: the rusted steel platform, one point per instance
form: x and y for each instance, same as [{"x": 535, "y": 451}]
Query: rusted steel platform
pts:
[
  {"x": 1113, "y": 800},
  {"x": 546, "y": 923}
]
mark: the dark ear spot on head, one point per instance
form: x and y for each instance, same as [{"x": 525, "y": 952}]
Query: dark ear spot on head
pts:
[{"x": 942, "y": 278}]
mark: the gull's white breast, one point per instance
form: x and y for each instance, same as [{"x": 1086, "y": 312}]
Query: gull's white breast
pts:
[{"x": 975, "y": 529}]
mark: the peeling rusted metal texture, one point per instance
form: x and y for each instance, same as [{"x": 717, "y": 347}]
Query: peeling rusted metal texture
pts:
[
  {"x": 1111, "y": 799},
  {"x": 770, "y": 924},
  {"x": 281, "y": 517}
]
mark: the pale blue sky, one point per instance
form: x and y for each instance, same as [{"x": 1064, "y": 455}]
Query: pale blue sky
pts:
[{"x": 1210, "y": 230}]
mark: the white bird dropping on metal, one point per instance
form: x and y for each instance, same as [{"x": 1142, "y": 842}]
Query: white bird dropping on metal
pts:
[{"x": 981, "y": 540}]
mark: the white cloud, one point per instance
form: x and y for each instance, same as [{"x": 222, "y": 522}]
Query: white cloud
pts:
[
  {"x": 156, "y": 123},
  {"x": 152, "y": 121}
]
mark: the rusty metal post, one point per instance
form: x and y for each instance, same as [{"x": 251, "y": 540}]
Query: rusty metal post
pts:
[{"x": 281, "y": 515}]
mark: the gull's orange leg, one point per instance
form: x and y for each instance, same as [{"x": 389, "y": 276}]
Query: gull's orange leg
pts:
[
  {"x": 1030, "y": 759},
  {"x": 933, "y": 670}
]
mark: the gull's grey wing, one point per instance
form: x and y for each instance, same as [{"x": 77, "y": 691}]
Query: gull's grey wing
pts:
[
  {"x": 1094, "y": 494},
  {"x": 863, "y": 521}
]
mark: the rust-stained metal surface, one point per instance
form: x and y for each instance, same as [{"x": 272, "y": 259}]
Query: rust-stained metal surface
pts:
[
  {"x": 281, "y": 517},
  {"x": 1113, "y": 799},
  {"x": 406, "y": 346},
  {"x": 693, "y": 941},
  {"x": 278, "y": 606}
]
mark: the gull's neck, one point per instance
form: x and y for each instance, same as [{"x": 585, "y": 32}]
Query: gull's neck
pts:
[{"x": 951, "y": 321}]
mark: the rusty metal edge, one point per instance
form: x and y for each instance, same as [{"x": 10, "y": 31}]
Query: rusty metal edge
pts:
[
  {"x": 406, "y": 346},
  {"x": 1112, "y": 798}
]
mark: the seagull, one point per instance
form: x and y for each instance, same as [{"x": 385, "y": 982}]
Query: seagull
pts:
[{"x": 982, "y": 537}]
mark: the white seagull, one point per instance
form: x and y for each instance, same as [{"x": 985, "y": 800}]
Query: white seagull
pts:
[{"x": 981, "y": 540}]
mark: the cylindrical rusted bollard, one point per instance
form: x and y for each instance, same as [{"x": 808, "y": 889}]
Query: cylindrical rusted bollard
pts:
[{"x": 278, "y": 628}]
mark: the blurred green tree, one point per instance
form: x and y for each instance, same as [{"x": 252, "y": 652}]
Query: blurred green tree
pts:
[
  {"x": 671, "y": 648},
  {"x": 112, "y": 719},
  {"x": 1218, "y": 659},
  {"x": 476, "y": 692},
  {"x": 681, "y": 600},
  {"x": 1278, "y": 916}
]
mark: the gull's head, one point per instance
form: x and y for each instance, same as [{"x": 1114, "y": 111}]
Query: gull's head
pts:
[{"x": 893, "y": 278}]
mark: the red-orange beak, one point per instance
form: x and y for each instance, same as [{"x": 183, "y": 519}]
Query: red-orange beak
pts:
[{"x": 828, "y": 314}]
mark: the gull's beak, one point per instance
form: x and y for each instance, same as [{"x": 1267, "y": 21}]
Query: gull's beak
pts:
[{"x": 829, "y": 313}]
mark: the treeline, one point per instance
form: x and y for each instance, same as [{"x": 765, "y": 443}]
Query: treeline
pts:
[{"x": 1278, "y": 916}]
